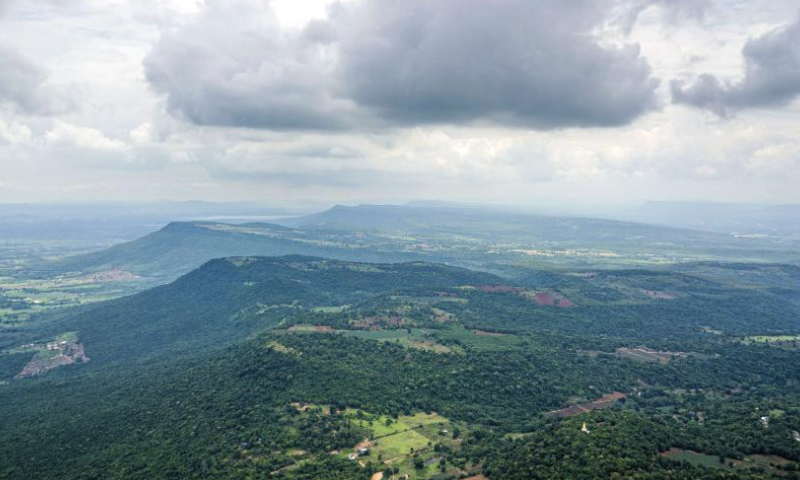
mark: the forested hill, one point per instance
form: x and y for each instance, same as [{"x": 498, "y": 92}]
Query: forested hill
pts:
[
  {"x": 228, "y": 299},
  {"x": 288, "y": 367},
  {"x": 182, "y": 246}
]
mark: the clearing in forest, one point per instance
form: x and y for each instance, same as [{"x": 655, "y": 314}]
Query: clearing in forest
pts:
[
  {"x": 644, "y": 354},
  {"x": 395, "y": 442},
  {"x": 605, "y": 401}
]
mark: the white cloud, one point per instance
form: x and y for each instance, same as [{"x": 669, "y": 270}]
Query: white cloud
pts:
[
  {"x": 66, "y": 134},
  {"x": 14, "y": 133},
  {"x": 142, "y": 135}
]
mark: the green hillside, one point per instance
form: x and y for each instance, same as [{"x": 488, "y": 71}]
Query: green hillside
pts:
[
  {"x": 226, "y": 300},
  {"x": 282, "y": 367}
]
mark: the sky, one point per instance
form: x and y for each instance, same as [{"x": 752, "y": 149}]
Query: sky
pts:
[{"x": 293, "y": 102}]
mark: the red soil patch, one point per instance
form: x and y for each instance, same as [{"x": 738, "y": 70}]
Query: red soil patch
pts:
[
  {"x": 547, "y": 299},
  {"x": 550, "y": 299},
  {"x": 544, "y": 299},
  {"x": 603, "y": 402}
]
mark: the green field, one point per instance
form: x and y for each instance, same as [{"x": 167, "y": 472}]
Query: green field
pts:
[
  {"x": 696, "y": 458},
  {"x": 423, "y": 339},
  {"x": 771, "y": 338},
  {"x": 485, "y": 342},
  {"x": 768, "y": 462}
]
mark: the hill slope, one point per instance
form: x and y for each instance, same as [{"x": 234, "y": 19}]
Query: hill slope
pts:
[
  {"x": 281, "y": 367},
  {"x": 226, "y": 300},
  {"x": 182, "y": 246}
]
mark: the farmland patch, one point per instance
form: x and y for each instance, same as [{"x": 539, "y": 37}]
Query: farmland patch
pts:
[
  {"x": 644, "y": 354},
  {"x": 605, "y": 401}
]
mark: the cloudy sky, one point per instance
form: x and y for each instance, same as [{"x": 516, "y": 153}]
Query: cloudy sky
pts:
[{"x": 297, "y": 101}]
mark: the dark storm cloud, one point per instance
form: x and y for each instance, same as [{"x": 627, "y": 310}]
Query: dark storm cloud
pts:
[
  {"x": 23, "y": 85},
  {"x": 388, "y": 63},
  {"x": 771, "y": 76},
  {"x": 505, "y": 61}
]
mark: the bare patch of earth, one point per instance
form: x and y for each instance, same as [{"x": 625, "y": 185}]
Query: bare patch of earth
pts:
[
  {"x": 603, "y": 402},
  {"x": 53, "y": 355}
]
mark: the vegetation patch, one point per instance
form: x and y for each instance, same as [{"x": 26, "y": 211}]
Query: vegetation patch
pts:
[
  {"x": 772, "y": 463},
  {"x": 605, "y": 401},
  {"x": 484, "y": 333},
  {"x": 281, "y": 348},
  {"x": 644, "y": 354},
  {"x": 696, "y": 458},
  {"x": 421, "y": 339},
  {"x": 480, "y": 340},
  {"x": 311, "y": 328},
  {"x": 778, "y": 340}
]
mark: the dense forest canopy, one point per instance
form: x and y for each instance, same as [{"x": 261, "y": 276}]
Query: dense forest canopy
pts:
[{"x": 288, "y": 366}]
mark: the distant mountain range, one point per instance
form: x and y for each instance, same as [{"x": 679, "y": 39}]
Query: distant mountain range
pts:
[
  {"x": 466, "y": 236},
  {"x": 777, "y": 221}
]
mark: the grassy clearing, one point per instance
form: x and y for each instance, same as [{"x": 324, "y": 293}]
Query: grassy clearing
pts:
[
  {"x": 311, "y": 328},
  {"x": 382, "y": 335},
  {"x": 381, "y": 425},
  {"x": 769, "y": 462},
  {"x": 771, "y": 338},
  {"x": 396, "y": 442},
  {"x": 696, "y": 458},
  {"x": 422, "y": 339},
  {"x": 399, "y": 445},
  {"x": 481, "y": 341},
  {"x": 281, "y": 348},
  {"x": 331, "y": 309}
]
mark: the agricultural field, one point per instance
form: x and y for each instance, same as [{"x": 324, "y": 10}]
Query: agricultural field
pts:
[
  {"x": 21, "y": 298},
  {"x": 481, "y": 340},
  {"x": 409, "y": 444},
  {"x": 770, "y": 463}
]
